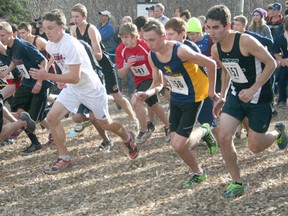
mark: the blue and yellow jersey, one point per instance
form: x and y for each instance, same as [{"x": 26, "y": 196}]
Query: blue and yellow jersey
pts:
[{"x": 188, "y": 81}]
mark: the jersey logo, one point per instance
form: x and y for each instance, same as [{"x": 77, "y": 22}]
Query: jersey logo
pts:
[{"x": 168, "y": 69}]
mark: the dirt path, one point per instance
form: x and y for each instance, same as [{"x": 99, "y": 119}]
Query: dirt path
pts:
[{"x": 112, "y": 184}]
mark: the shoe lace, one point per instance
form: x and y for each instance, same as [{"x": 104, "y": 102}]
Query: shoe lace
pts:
[{"x": 209, "y": 140}]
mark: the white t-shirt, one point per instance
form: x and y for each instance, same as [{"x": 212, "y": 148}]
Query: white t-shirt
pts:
[{"x": 69, "y": 51}]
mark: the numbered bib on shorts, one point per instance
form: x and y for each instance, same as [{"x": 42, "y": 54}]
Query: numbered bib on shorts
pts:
[
  {"x": 140, "y": 70},
  {"x": 235, "y": 72},
  {"x": 178, "y": 84},
  {"x": 3, "y": 69},
  {"x": 23, "y": 71}
]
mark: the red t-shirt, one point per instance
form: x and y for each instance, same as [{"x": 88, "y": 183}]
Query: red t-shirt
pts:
[{"x": 141, "y": 70}]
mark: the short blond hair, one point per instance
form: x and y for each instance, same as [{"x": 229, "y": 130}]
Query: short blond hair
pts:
[
  {"x": 6, "y": 26},
  {"x": 81, "y": 9},
  {"x": 242, "y": 19},
  {"x": 129, "y": 28},
  {"x": 154, "y": 25}
]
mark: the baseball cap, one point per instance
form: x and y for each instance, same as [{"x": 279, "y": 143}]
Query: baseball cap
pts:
[
  {"x": 105, "y": 13},
  {"x": 150, "y": 8},
  {"x": 277, "y": 6}
]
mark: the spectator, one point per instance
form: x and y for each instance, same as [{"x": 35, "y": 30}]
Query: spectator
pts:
[
  {"x": 126, "y": 19},
  {"x": 150, "y": 11},
  {"x": 178, "y": 11},
  {"x": 185, "y": 15},
  {"x": 275, "y": 19},
  {"x": 258, "y": 23},
  {"x": 106, "y": 30},
  {"x": 159, "y": 11},
  {"x": 281, "y": 55}
]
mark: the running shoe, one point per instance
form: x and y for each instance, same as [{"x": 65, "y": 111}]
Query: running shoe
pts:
[
  {"x": 82, "y": 125},
  {"x": 143, "y": 137},
  {"x": 193, "y": 180},
  {"x": 49, "y": 142},
  {"x": 150, "y": 126},
  {"x": 106, "y": 146},
  {"x": 132, "y": 146},
  {"x": 30, "y": 124},
  {"x": 58, "y": 166},
  {"x": 209, "y": 139},
  {"x": 234, "y": 190},
  {"x": 282, "y": 139},
  {"x": 15, "y": 134},
  {"x": 32, "y": 148}
]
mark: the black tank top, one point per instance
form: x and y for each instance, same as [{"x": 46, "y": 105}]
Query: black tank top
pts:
[
  {"x": 85, "y": 36},
  {"x": 106, "y": 62},
  {"x": 244, "y": 71}
]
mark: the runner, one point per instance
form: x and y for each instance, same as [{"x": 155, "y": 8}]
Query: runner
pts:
[
  {"x": 181, "y": 66},
  {"x": 241, "y": 57},
  {"x": 83, "y": 86}
]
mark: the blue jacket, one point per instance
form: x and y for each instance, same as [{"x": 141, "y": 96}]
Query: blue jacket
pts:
[{"x": 107, "y": 33}]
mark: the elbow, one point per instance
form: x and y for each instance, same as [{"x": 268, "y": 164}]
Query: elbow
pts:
[
  {"x": 98, "y": 56},
  {"x": 75, "y": 80}
]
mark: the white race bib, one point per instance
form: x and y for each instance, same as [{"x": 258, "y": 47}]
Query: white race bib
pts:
[
  {"x": 140, "y": 70},
  {"x": 23, "y": 71},
  {"x": 235, "y": 72},
  {"x": 178, "y": 84},
  {"x": 3, "y": 69}
]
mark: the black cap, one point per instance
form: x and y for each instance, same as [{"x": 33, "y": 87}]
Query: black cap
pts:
[{"x": 150, "y": 8}]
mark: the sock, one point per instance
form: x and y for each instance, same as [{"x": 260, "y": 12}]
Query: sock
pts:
[
  {"x": 204, "y": 130},
  {"x": 65, "y": 157},
  {"x": 33, "y": 138},
  {"x": 200, "y": 173}
]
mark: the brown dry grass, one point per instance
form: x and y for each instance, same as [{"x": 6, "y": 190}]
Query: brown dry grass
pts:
[{"x": 111, "y": 184}]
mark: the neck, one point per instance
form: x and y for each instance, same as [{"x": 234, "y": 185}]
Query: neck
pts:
[
  {"x": 82, "y": 26},
  {"x": 104, "y": 23},
  {"x": 11, "y": 42},
  {"x": 60, "y": 37},
  {"x": 163, "y": 50}
]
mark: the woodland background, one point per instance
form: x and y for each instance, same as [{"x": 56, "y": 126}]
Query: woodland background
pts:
[{"x": 26, "y": 10}]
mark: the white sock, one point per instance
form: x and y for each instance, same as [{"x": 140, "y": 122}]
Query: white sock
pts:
[
  {"x": 200, "y": 173},
  {"x": 204, "y": 130}
]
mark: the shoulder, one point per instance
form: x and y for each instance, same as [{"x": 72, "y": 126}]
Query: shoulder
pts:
[
  {"x": 214, "y": 51},
  {"x": 120, "y": 48}
]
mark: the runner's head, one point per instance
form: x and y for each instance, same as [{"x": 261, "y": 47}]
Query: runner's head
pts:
[
  {"x": 154, "y": 34},
  {"x": 129, "y": 34},
  {"x": 6, "y": 33},
  {"x": 54, "y": 23},
  {"x": 78, "y": 14},
  {"x": 176, "y": 29}
]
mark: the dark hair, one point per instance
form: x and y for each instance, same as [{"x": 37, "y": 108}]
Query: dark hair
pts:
[
  {"x": 140, "y": 21},
  {"x": 177, "y": 24},
  {"x": 186, "y": 13},
  {"x": 220, "y": 13},
  {"x": 57, "y": 16}
]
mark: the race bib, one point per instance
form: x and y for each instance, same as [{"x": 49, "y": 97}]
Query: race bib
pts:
[
  {"x": 3, "y": 69},
  {"x": 23, "y": 71},
  {"x": 140, "y": 70},
  {"x": 178, "y": 84},
  {"x": 235, "y": 72}
]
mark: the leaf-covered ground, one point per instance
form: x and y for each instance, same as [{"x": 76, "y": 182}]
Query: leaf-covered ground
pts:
[{"x": 109, "y": 183}]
